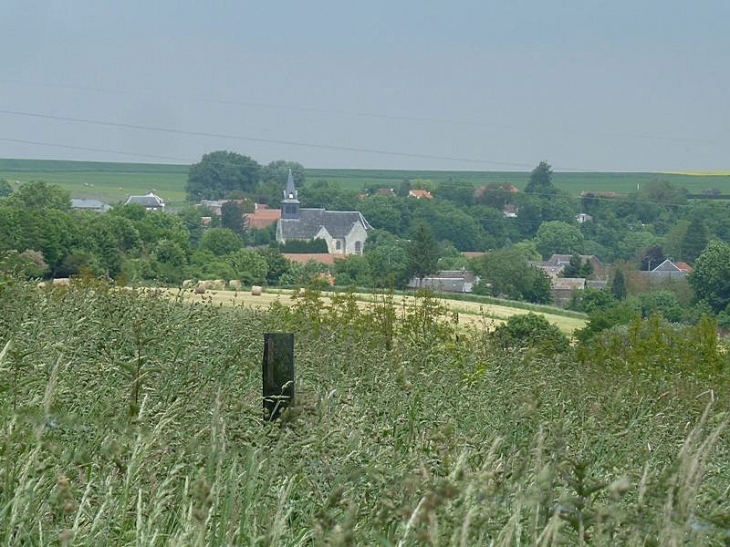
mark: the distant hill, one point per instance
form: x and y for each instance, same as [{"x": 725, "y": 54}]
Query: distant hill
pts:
[{"x": 112, "y": 182}]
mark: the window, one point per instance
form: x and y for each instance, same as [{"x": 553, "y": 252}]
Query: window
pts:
[
  {"x": 338, "y": 245},
  {"x": 358, "y": 247}
]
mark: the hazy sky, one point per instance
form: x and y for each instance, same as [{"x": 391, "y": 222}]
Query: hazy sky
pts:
[{"x": 588, "y": 85}]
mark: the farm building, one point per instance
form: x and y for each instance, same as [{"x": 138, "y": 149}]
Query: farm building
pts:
[
  {"x": 446, "y": 281},
  {"x": 90, "y": 205}
]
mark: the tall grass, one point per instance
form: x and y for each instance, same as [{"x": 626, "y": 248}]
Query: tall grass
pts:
[{"x": 129, "y": 417}]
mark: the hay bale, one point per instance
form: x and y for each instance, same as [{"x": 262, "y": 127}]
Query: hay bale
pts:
[
  {"x": 215, "y": 285},
  {"x": 41, "y": 285},
  {"x": 61, "y": 281},
  {"x": 234, "y": 284},
  {"x": 302, "y": 291},
  {"x": 200, "y": 288},
  {"x": 187, "y": 284},
  {"x": 256, "y": 290}
]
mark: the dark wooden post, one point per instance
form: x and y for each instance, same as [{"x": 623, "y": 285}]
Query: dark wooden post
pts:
[{"x": 278, "y": 373}]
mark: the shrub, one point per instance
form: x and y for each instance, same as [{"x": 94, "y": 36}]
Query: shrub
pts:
[{"x": 531, "y": 331}]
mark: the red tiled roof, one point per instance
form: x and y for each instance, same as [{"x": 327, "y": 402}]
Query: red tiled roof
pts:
[
  {"x": 418, "y": 194},
  {"x": 684, "y": 266},
  {"x": 262, "y": 217}
]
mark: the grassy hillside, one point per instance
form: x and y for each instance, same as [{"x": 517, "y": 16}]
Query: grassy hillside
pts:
[
  {"x": 130, "y": 418},
  {"x": 113, "y": 182}
]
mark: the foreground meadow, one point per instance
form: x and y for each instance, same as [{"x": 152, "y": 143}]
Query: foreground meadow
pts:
[{"x": 131, "y": 417}]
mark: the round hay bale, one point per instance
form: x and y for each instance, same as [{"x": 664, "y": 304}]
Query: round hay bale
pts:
[
  {"x": 234, "y": 284},
  {"x": 256, "y": 290},
  {"x": 41, "y": 285},
  {"x": 215, "y": 285},
  {"x": 200, "y": 288},
  {"x": 302, "y": 291},
  {"x": 188, "y": 283}
]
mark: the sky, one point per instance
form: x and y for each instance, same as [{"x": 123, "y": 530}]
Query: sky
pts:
[{"x": 586, "y": 85}]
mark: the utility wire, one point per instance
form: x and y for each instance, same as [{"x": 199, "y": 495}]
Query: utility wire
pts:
[
  {"x": 376, "y": 115},
  {"x": 104, "y": 150},
  {"x": 266, "y": 141}
]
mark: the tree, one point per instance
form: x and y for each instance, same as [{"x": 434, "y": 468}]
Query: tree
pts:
[
  {"x": 404, "y": 188},
  {"x": 577, "y": 267},
  {"x": 39, "y": 194},
  {"x": 541, "y": 181},
  {"x": 710, "y": 278},
  {"x": 506, "y": 273},
  {"x": 276, "y": 264},
  {"x": 278, "y": 171},
  {"x": 422, "y": 252},
  {"x": 220, "y": 241},
  {"x": 220, "y": 173},
  {"x": 618, "y": 286},
  {"x": 695, "y": 240},
  {"x": 556, "y": 236},
  {"x": 5, "y": 188},
  {"x": 232, "y": 216},
  {"x": 457, "y": 191},
  {"x": 249, "y": 266}
]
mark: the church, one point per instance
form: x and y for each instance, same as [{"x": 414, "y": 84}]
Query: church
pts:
[{"x": 344, "y": 231}]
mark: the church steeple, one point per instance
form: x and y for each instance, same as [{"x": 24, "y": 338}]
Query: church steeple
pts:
[{"x": 290, "y": 203}]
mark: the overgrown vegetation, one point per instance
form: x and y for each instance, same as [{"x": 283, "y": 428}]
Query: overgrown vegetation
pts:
[{"x": 130, "y": 417}]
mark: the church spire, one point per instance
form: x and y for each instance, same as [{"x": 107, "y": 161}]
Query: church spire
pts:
[
  {"x": 290, "y": 203},
  {"x": 291, "y": 191}
]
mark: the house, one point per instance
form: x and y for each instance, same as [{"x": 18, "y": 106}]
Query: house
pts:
[
  {"x": 446, "y": 281},
  {"x": 385, "y": 192},
  {"x": 262, "y": 217},
  {"x": 509, "y": 210},
  {"x": 582, "y": 218},
  {"x": 420, "y": 194},
  {"x": 563, "y": 288},
  {"x": 151, "y": 202},
  {"x": 90, "y": 205},
  {"x": 553, "y": 272},
  {"x": 344, "y": 231},
  {"x": 599, "y": 270},
  {"x": 216, "y": 205},
  {"x": 669, "y": 269}
]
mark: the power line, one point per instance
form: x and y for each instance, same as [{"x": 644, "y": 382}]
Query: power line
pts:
[
  {"x": 104, "y": 150},
  {"x": 375, "y": 115},
  {"x": 266, "y": 141}
]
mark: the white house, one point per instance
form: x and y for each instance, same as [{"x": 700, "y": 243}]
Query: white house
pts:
[
  {"x": 344, "y": 231},
  {"x": 151, "y": 201}
]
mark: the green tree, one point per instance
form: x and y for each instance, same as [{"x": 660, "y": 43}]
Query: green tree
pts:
[
  {"x": 422, "y": 252},
  {"x": 577, "y": 267},
  {"x": 39, "y": 194},
  {"x": 232, "y": 216},
  {"x": 541, "y": 181},
  {"x": 695, "y": 240},
  {"x": 248, "y": 266},
  {"x": 506, "y": 273},
  {"x": 276, "y": 264},
  {"x": 5, "y": 188},
  {"x": 278, "y": 171},
  {"x": 220, "y": 241},
  {"x": 220, "y": 173},
  {"x": 710, "y": 278},
  {"x": 404, "y": 188},
  {"x": 556, "y": 236},
  {"x": 531, "y": 331},
  {"x": 618, "y": 285}
]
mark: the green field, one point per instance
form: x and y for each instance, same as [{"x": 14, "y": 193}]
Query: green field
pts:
[
  {"x": 113, "y": 182},
  {"x": 131, "y": 418}
]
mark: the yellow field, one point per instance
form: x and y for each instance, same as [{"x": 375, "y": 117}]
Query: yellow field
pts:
[
  {"x": 486, "y": 316},
  {"x": 700, "y": 173}
]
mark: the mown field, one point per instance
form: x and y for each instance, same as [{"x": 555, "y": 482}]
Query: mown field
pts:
[
  {"x": 470, "y": 314},
  {"x": 130, "y": 417},
  {"x": 113, "y": 182}
]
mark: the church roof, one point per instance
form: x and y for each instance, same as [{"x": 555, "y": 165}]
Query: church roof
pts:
[{"x": 310, "y": 221}]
